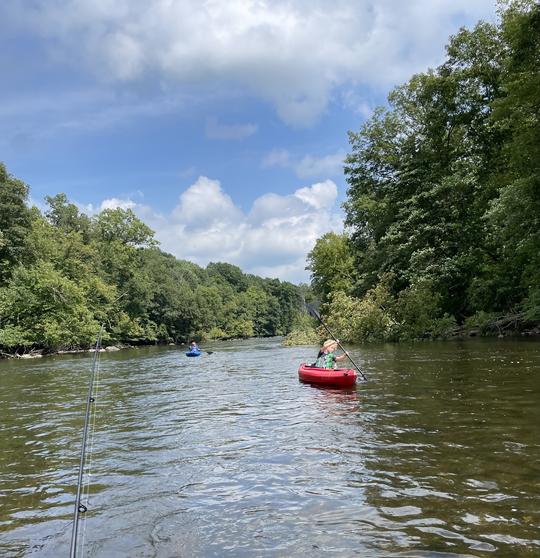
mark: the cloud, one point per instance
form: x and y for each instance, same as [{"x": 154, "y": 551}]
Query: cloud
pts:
[
  {"x": 216, "y": 130},
  {"x": 318, "y": 196},
  {"x": 308, "y": 166},
  {"x": 115, "y": 203},
  {"x": 291, "y": 53},
  {"x": 357, "y": 102},
  {"x": 204, "y": 204},
  {"x": 272, "y": 239}
]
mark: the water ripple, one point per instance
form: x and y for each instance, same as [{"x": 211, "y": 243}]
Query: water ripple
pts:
[{"x": 229, "y": 455}]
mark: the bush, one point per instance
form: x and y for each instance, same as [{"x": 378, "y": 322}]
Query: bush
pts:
[
  {"x": 366, "y": 319},
  {"x": 418, "y": 313},
  {"x": 214, "y": 333},
  {"x": 302, "y": 337}
]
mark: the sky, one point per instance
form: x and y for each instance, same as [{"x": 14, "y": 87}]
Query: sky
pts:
[{"x": 221, "y": 123}]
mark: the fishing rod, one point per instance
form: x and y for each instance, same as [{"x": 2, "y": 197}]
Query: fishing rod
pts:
[{"x": 79, "y": 506}]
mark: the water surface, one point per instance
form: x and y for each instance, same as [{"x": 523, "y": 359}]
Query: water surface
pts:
[{"x": 438, "y": 455}]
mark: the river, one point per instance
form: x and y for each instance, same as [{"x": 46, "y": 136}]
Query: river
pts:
[{"x": 437, "y": 455}]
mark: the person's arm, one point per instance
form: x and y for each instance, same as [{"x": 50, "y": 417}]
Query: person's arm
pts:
[{"x": 341, "y": 357}]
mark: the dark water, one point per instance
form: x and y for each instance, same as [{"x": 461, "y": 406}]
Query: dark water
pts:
[{"x": 438, "y": 455}]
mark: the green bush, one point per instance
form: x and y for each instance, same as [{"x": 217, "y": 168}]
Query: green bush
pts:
[{"x": 302, "y": 337}]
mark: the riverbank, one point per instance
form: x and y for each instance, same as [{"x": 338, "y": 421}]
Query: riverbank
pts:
[
  {"x": 40, "y": 353},
  {"x": 300, "y": 338},
  {"x": 34, "y": 352},
  {"x": 293, "y": 339}
]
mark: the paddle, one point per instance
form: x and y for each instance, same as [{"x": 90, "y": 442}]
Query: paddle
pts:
[{"x": 315, "y": 314}]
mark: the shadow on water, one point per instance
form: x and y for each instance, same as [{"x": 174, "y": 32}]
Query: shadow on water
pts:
[{"x": 229, "y": 454}]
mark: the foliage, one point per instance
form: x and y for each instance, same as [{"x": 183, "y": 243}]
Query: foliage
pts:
[
  {"x": 65, "y": 216},
  {"x": 443, "y": 205},
  {"x": 304, "y": 331},
  {"x": 46, "y": 307},
  {"x": 15, "y": 219},
  {"x": 331, "y": 265},
  {"x": 63, "y": 273},
  {"x": 418, "y": 313},
  {"x": 484, "y": 322},
  {"x": 301, "y": 337},
  {"x": 360, "y": 319}
]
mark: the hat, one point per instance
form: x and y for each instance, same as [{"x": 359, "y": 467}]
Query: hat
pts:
[{"x": 329, "y": 343}]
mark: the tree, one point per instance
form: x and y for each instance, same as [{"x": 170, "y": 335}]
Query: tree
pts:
[
  {"x": 228, "y": 273},
  {"x": 331, "y": 264},
  {"x": 419, "y": 176},
  {"x": 123, "y": 226},
  {"x": 65, "y": 216},
  {"x": 43, "y": 308},
  {"x": 514, "y": 217},
  {"x": 15, "y": 222}
]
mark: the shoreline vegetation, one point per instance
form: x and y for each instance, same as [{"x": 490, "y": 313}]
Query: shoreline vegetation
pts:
[
  {"x": 442, "y": 211},
  {"x": 40, "y": 353},
  {"x": 64, "y": 273},
  {"x": 315, "y": 337},
  {"x": 441, "y": 239}
]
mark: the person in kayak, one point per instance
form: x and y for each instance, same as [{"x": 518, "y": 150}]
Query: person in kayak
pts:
[
  {"x": 193, "y": 347},
  {"x": 327, "y": 357}
]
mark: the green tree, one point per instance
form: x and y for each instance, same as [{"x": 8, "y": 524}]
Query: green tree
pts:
[
  {"x": 228, "y": 273},
  {"x": 43, "y": 308},
  {"x": 331, "y": 263},
  {"x": 15, "y": 222},
  {"x": 420, "y": 177},
  {"x": 65, "y": 216},
  {"x": 123, "y": 226},
  {"x": 514, "y": 216}
]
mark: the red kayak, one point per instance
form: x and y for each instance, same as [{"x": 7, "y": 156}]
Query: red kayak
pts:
[{"x": 337, "y": 377}]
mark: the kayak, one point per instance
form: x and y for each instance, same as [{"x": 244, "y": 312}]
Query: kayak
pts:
[
  {"x": 193, "y": 353},
  {"x": 337, "y": 377}
]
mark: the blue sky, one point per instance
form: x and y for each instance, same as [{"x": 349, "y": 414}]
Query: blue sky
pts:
[{"x": 222, "y": 124}]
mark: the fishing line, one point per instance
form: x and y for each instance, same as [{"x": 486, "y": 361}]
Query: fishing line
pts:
[
  {"x": 86, "y": 487},
  {"x": 89, "y": 419},
  {"x": 79, "y": 506}
]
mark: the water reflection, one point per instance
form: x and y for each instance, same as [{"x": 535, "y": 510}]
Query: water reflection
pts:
[{"x": 229, "y": 455}]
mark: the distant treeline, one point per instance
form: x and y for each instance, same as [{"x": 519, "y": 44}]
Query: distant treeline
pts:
[
  {"x": 63, "y": 273},
  {"x": 443, "y": 206}
]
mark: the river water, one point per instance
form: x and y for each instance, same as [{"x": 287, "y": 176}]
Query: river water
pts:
[{"x": 437, "y": 455}]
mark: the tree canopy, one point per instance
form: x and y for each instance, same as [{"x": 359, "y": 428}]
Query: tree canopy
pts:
[
  {"x": 443, "y": 204},
  {"x": 63, "y": 273}
]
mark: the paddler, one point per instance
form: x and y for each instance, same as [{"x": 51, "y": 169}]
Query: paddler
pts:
[{"x": 327, "y": 357}]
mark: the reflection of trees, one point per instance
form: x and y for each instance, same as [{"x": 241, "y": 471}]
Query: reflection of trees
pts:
[
  {"x": 41, "y": 417},
  {"x": 445, "y": 419}
]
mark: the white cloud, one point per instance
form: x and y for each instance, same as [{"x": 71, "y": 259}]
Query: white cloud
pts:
[
  {"x": 320, "y": 195},
  {"x": 116, "y": 203},
  {"x": 357, "y": 102},
  {"x": 272, "y": 239},
  {"x": 216, "y": 130},
  {"x": 205, "y": 205},
  {"x": 291, "y": 53},
  {"x": 308, "y": 166}
]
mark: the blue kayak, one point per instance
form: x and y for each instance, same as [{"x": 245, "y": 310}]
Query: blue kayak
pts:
[{"x": 193, "y": 353}]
